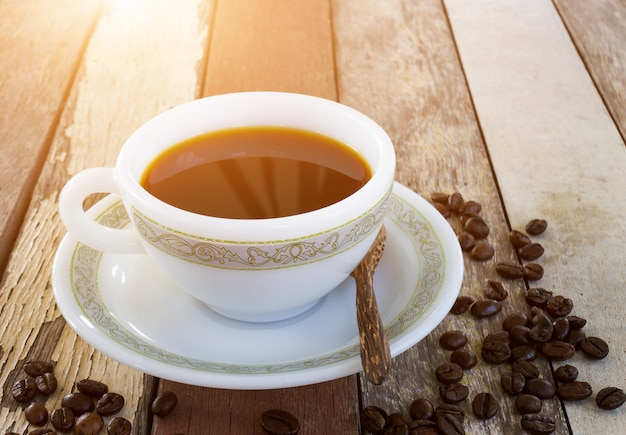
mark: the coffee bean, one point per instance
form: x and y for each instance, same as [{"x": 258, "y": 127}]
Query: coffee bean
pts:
[
  {"x": 512, "y": 382},
  {"x": 452, "y": 340},
  {"x": 485, "y": 308},
  {"x": 88, "y": 423},
  {"x": 542, "y": 329},
  {"x": 448, "y": 373},
  {"x": 62, "y": 418},
  {"x": 610, "y": 398},
  {"x": 464, "y": 358},
  {"x": 527, "y": 404},
  {"x": 422, "y": 426},
  {"x": 556, "y": 350},
  {"x": 41, "y": 431},
  {"x": 396, "y": 418},
  {"x": 109, "y": 404},
  {"x": 421, "y": 409},
  {"x": 575, "y": 337},
  {"x": 519, "y": 239},
  {"x": 455, "y": 202},
  {"x": 566, "y": 373},
  {"x": 397, "y": 429},
  {"x": 559, "y": 306},
  {"x": 501, "y": 336},
  {"x": 530, "y": 252},
  {"x": 515, "y": 319},
  {"x": 443, "y": 209},
  {"x": 533, "y": 272},
  {"x": 496, "y": 291},
  {"x": 572, "y": 391},
  {"x": 38, "y": 367},
  {"x": 576, "y": 322},
  {"x": 526, "y": 368},
  {"x": 477, "y": 227},
  {"x": 594, "y": 348},
  {"x": 467, "y": 241},
  {"x": 279, "y": 422},
  {"x": 36, "y": 413},
  {"x": 78, "y": 402},
  {"x": 92, "y": 388},
  {"x": 510, "y": 270},
  {"x": 561, "y": 329},
  {"x": 119, "y": 426},
  {"x": 538, "y": 296},
  {"x": 24, "y": 390},
  {"x": 46, "y": 383},
  {"x": 539, "y": 387},
  {"x": 461, "y": 304},
  {"x": 482, "y": 251},
  {"x": 164, "y": 403},
  {"x": 467, "y": 216},
  {"x": 449, "y": 422},
  {"x": 453, "y": 393},
  {"x": 538, "y": 424},
  {"x": 373, "y": 419},
  {"x": 471, "y": 207},
  {"x": 495, "y": 352},
  {"x": 485, "y": 406},
  {"x": 519, "y": 334},
  {"x": 536, "y": 226},
  {"x": 439, "y": 197},
  {"x": 524, "y": 352}
]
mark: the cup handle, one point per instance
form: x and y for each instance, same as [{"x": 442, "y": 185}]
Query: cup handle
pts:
[{"x": 83, "y": 227}]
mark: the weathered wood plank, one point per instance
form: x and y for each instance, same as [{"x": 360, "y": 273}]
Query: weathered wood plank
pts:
[
  {"x": 33, "y": 87},
  {"x": 396, "y": 61},
  {"x": 557, "y": 155},
  {"x": 279, "y": 46},
  {"x": 133, "y": 68},
  {"x": 597, "y": 28}
]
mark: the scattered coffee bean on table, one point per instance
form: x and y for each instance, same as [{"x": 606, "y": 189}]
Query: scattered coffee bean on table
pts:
[
  {"x": 374, "y": 419},
  {"x": 533, "y": 272},
  {"x": 519, "y": 239},
  {"x": 41, "y": 431},
  {"x": 496, "y": 291},
  {"x": 610, "y": 398},
  {"x": 62, "y": 418},
  {"x": 485, "y": 406},
  {"x": 119, "y": 426},
  {"x": 510, "y": 270},
  {"x": 461, "y": 304},
  {"x": 556, "y": 350},
  {"x": 24, "y": 390},
  {"x": 594, "y": 347},
  {"x": 92, "y": 388},
  {"x": 78, "y": 402},
  {"x": 109, "y": 404},
  {"x": 566, "y": 373},
  {"x": 485, "y": 308},
  {"x": 36, "y": 414},
  {"x": 421, "y": 409},
  {"x": 513, "y": 382},
  {"x": 279, "y": 422},
  {"x": 453, "y": 393},
  {"x": 541, "y": 388},
  {"x": 536, "y": 226},
  {"x": 495, "y": 352},
  {"x": 482, "y": 251},
  {"x": 538, "y": 424},
  {"x": 467, "y": 241},
  {"x": 528, "y": 404},
  {"x": 526, "y": 368},
  {"x": 576, "y": 390},
  {"x": 452, "y": 340},
  {"x": 38, "y": 367},
  {"x": 466, "y": 359},
  {"x": 531, "y": 251},
  {"x": 89, "y": 423},
  {"x": 164, "y": 403},
  {"x": 448, "y": 373},
  {"x": 46, "y": 383}
]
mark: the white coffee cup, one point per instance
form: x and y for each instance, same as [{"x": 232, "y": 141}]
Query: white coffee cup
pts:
[{"x": 248, "y": 269}]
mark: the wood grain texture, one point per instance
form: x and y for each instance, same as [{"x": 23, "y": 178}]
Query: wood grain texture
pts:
[
  {"x": 538, "y": 107},
  {"x": 396, "y": 61},
  {"x": 33, "y": 86},
  {"x": 597, "y": 28}
]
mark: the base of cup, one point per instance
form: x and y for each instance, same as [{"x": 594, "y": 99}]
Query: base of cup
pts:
[{"x": 275, "y": 316}]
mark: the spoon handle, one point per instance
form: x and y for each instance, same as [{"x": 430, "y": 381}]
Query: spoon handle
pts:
[{"x": 375, "y": 354}]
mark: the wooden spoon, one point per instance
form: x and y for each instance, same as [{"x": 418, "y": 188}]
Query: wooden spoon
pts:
[{"x": 375, "y": 354}]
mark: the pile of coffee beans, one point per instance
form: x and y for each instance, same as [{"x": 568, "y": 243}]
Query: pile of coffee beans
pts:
[{"x": 81, "y": 411}]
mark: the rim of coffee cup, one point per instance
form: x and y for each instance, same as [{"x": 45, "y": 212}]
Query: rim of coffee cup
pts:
[{"x": 194, "y": 118}]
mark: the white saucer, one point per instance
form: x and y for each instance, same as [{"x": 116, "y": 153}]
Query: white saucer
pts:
[{"x": 124, "y": 307}]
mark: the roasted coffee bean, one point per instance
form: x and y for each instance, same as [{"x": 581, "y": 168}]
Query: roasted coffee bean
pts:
[
  {"x": 41, "y": 431},
  {"x": 485, "y": 308},
  {"x": 539, "y": 387},
  {"x": 566, "y": 373},
  {"x": 78, "y": 402},
  {"x": 513, "y": 382},
  {"x": 495, "y": 352},
  {"x": 496, "y": 291},
  {"x": 455, "y": 202},
  {"x": 164, "y": 403},
  {"x": 515, "y": 319},
  {"x": 527, "y": 404},
  {"x": 397, "y": 418},
  {"x": 536, "y": 226},
  {"x": 538, "y": 424},
  {"x": 482, "y": 251},
  {"x": 119, "y": 426},
  {"x": 461, "y": 304},
  {"x": 452, "y": 340},
  {"x": 467, "y": 241},
  {"x": 46, "y": 383},
  {"x": 449, "y": 422},
  {"x": 594, "y": 347},
  {"x": 576, "y": 322},
  {"x": 575, "y": 337},
  {"x": 538, "y": 296},
  {"x": 559, "y": 306},
  {"x": 443, "y": 209},
  {"x": 477, "y": 227},
  {"x": 88, "y": 423},
  {"x": 24, "y": 390},
  {"x": 455, "y": 410},
  {"x": 449, "y": 373},
  {"x": 279, "y": 422},
  {"x": 62, "y": 418},
  {"x": 519, "y": 334},
  {"x": 109, "y": 404},
  {"x": 467, "y": 216},
  {"x": 485, "y": 406},
  {"x": 526, "y": 368},
  {"x": 453, "y": 393},
  {"x": 439, "y": 197},
  {"x": 556, "y": 350},
  {"x": 519, "y": 239},
  {"x": 561, "y": 329},
  {"x": 542, "y": 329},
  {"x": 421, "y": 408},
  {"x": 36, "y": 413},
  {"x": 397, "y": 429},
  {"x": 92, "y": 388},
  {"x": 464, "y": 358},
  {"x": 471, "y": 207},
  {"x": 501, "y": 336},
  {"x": 510, "y": 270},
  {"x": 576, "y": 390},
  {"x": 533, "y": 272},
  {"x": 531, "y": 252},
  {"x": 38, "y": 367},
  {"x": 422, "y": 426},
  {"x": 610, "y": 398},
  {"x": 373, "y": 419},
  {"x": 524, "y": 352}
]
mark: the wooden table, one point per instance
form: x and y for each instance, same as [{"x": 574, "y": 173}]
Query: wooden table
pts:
[{"x": 519, "y": 105}]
